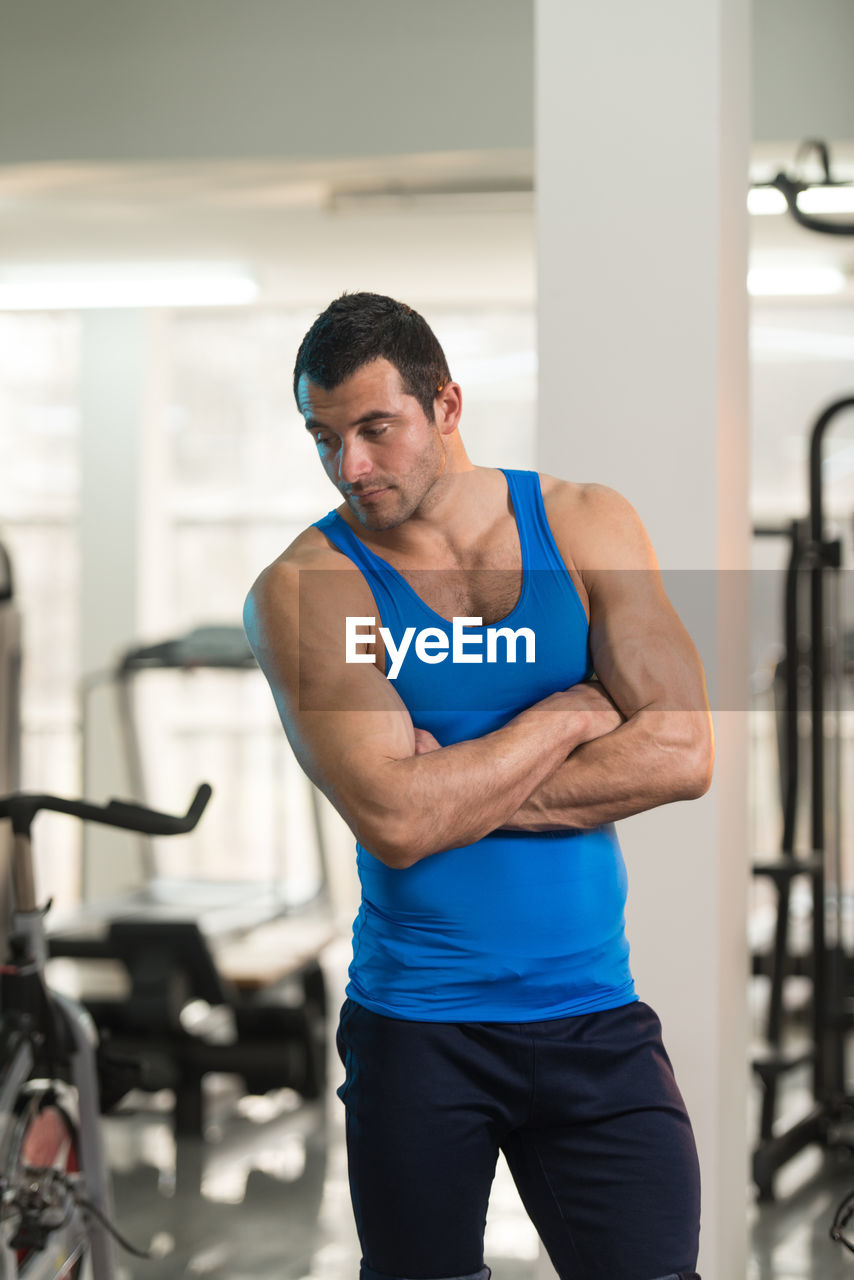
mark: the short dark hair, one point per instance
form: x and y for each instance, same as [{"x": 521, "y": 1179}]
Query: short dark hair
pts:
[{"x": 358, "y": 328}]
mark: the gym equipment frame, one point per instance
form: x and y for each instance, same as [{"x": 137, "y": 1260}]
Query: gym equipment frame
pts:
[
  {"x": 55, "y": 1196},
  {"x": 826, "y": 966}
]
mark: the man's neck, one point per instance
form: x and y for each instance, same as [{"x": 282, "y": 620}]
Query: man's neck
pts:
[{"x": 451, "y": 519}]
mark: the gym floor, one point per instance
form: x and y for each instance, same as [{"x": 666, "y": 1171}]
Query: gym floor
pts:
[{"x": 265, "y": 1194}]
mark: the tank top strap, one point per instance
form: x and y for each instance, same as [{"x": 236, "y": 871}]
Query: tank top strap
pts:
[
  {"x": 539, "y": 549},
  {"x": 382, "y": 578},
  {"x": 343, "y": 537}
]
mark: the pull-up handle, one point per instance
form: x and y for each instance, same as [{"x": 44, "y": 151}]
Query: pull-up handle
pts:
[{"x": 22, "y": 808}]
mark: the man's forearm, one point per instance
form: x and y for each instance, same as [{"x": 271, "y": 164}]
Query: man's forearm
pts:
[
  {"x": 653, "y": 759},
  {"x": 458, "y": 794}
]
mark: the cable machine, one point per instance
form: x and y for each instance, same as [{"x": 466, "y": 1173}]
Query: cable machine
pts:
[
  {"x": 792, "y": 186},
  {"x": 814, "y": 559}
]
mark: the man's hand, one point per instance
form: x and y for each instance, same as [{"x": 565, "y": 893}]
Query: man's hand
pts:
[
  {"x": 425, "y": 742},
  {"x": 599, "y": 710},
  {"x": 589, "y": 700}
]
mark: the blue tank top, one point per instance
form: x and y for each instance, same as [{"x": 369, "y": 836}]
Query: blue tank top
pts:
[{"x": 519, "y": 926}]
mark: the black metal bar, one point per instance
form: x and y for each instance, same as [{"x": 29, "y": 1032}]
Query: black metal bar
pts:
[
  {"x": 770, "y": 531},
  {"x": 772, "y": 1155},
  {"x": 23, "y": 808},
  {"x": 791, "y": 189},
  {"x": 829, "y": 1065},
  {"x": 790, "y": 771},
  {"x": 790, "y": 630}
]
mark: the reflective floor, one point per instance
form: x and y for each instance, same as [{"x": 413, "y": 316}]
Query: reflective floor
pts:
[
  {"x": 790, "y": 1239},
  {"x": 265, "y": 1194}
]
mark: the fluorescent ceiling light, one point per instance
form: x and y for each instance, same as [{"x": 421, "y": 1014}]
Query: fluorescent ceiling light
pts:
[
  {"x": 766, "y": 200},
  {"x": 827, "y": 200},
  {"x": 76, "y": 288},
  {"x": 780, "y": 282}
]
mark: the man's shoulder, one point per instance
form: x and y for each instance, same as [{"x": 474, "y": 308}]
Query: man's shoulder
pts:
[
  {"x": 581, "y": 494},
  {"x": 600, "y": 525},
  {"x": 310, "y": 553},
  {"x": 310, "y": 549}
]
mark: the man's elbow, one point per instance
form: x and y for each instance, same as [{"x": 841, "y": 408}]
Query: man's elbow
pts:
[
  {"x": 701, "y": 761},
  {"x": 393, "y": 820},
  {"x": 392, "y": 839},
  {"x": 697, "y": 784},
  {"x": 397, "y": 855}
]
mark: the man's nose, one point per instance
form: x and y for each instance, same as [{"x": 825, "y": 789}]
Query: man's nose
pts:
[{"x": 353, "y": 462}]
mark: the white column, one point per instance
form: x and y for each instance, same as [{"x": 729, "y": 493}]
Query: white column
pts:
[
  {"x": 112, "y": 406},
  {"x": 642, "y": 160}
]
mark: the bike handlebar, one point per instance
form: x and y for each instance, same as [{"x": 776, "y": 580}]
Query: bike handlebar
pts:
[{"x": 23, "y": 807}]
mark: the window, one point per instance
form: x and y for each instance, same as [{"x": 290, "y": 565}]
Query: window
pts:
[{"x": 233, "y": 479}]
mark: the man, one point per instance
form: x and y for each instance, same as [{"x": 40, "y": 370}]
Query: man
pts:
[{"x": 431, "y": 645}]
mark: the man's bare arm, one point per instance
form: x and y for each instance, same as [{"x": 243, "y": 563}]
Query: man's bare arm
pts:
[
  {"x": 646, "y": 763},
  {"x": 354, "y": 738},
  {"x": 648, "y": 665}
]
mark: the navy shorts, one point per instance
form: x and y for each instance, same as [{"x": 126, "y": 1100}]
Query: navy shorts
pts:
[{"x": 585, "y": 1110}]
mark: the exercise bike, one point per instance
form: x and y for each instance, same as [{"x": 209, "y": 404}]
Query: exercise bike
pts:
[{"x": 55, "y": 1197}]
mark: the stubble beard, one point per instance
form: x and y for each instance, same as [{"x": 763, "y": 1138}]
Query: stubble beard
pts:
[{"x": 408, "y": 500}]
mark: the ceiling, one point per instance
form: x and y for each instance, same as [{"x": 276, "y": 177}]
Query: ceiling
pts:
[
  {"x": 266, "y": 213},
  {"x": 430, "y": 228}
]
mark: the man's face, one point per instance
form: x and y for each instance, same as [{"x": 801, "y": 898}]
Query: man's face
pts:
[{"x": 376, "y": 445}]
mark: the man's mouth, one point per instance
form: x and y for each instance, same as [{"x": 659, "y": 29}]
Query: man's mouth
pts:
[{"x": 367, "y": 495}]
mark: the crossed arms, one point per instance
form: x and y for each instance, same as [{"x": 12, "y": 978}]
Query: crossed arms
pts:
[{"x": 588, "y": 755}]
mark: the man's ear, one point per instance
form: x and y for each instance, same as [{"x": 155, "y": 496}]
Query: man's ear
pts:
[{"x": 448, "y": 407}]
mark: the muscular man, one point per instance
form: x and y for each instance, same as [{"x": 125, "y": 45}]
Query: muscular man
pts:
[{"x": 482, "y": 672}]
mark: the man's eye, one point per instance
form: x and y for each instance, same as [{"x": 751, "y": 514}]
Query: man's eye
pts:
[
  {"x": 323, "y": 441},
  {"x": 375, "y": 431}
]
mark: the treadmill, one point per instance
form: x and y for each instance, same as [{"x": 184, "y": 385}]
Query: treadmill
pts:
[{"x": 204, "y": 975}]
